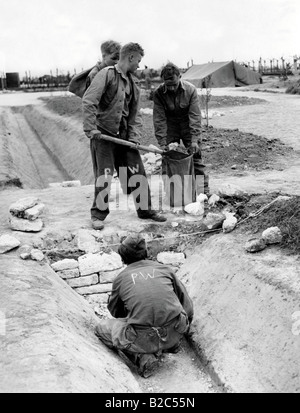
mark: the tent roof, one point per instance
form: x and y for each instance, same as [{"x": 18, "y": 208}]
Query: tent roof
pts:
[
  {"x": 204, "y": 70},
  {"x": 224, "y": 74}
]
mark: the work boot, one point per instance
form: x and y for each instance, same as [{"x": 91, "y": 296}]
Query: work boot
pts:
[
  {"x": 148, "y": 364},
  {"x": 97, "y": 224},
  {"x": 153, "y": 215}
]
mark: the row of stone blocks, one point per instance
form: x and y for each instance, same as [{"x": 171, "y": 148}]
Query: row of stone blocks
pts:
[{"x": 91, "y": 275}]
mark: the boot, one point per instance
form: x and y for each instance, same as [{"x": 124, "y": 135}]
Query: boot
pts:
[
  {"x": 153, "y": 215},
  {"x": 147, "y": 365}
]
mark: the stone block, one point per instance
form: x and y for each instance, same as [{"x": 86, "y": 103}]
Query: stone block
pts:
[
  {"x": 69, "y": 274},
  {"x": 109, "y": 276},
  {"x": 84, "y": 281},
  {"x": 95, "y": 289},
  {"x": 64, "y": 265},
  {"x": 34, "y": 213},
  {"x": 20, "y": 206},
  {"x": 95, "y": 263},
  {"x": 171, "y": 258},
  {"x": 8, "y": 243},
  {"x": 23, "y": 225},
  {"x": 272, "y": 236},
  {"x": 37, "y": 255}
]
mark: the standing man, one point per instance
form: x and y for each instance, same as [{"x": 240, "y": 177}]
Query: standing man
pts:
[
  {"x": 110, "y": 56},
  {"x": 177, "y": 116},
  {"x": 110, "y": 106},
  {"x": 151, "y": 306},
  {"x": 110, "y": 51}
]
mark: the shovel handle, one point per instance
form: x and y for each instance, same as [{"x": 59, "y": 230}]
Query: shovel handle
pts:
[{"x": 131, "y": 144}]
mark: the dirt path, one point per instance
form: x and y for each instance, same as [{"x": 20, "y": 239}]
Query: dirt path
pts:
[{"x": 45, "y": 166}]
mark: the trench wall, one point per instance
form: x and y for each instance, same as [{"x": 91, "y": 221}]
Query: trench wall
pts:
[
  {"x": 245, "y": 308},
  {"x": 48, "y": 343},
  {"x": 65, "y": 138}
]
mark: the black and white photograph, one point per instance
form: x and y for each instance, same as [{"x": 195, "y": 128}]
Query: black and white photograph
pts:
[{"x": 149, "y": 199}]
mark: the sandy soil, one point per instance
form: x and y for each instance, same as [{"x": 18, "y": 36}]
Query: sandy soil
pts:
[{"x": 275, "y": 169}]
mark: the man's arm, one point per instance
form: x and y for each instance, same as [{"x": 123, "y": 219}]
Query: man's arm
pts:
[
  {"x": 91, "y": 100},
  {"x": 183, "y": 297},
  {"x": 116, "y": 306},
  {"x": 160, "y": 120}
]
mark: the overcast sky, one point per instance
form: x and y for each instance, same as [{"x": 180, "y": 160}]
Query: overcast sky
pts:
[{"x": 42, "y": 35}]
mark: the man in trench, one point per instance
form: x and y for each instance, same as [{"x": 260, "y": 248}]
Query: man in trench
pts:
[
  {"x": 177, "y": 117},
  {"x": 110, "y": 107},
  {"x": 151, "y": 306}
]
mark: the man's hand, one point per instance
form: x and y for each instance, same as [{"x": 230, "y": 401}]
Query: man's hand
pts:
[
  {"x": 94, "y": 134},
  {"x": 194, "y": 148},
  {"x": 164, "y": 148}
]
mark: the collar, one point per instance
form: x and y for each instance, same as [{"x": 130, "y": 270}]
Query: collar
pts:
[
  {"x": 124, "y": 76},
  {"x": 181, "y": 86}
]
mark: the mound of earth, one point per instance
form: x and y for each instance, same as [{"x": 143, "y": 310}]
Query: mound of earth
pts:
[{"x": 222, "y": 148}]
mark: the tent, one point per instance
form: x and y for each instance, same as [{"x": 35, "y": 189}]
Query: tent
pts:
[{"x": 225, "y": 74}]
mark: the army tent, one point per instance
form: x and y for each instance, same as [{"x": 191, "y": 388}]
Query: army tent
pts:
[{"x": 225, "y": 74}]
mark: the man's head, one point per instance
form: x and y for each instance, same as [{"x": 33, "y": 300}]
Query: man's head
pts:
[
  {"x": 133, "y": 249},
  {"x": 131, "y": 56},
  {"x": 110, "y": 52},
  {"x": 170, "y": 74}
]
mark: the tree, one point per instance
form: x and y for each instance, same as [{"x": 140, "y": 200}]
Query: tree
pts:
[{"x": 206, "y": 96}]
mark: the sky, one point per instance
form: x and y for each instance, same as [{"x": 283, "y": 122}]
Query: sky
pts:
[{"x": 44, "y": 35}]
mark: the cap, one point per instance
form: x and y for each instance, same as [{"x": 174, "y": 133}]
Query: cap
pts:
[{"x": 133, "y": 248}]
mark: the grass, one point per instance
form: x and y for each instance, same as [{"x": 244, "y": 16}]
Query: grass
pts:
[
  {"x": 294, "y": 89},
  {"x": 286, "y": 216}
]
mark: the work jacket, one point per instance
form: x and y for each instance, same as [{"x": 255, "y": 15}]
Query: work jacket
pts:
[
  {"x": 149, "y": 294},
  {"x": 103, "y": 103},
  {"x": 178, "y": 113}
]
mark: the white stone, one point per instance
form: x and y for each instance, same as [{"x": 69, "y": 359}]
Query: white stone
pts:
[
  {"x": 214, "y": 220},
  {"x": 86, "y": 241},
  {"x": 171, "y": 258},
  {"x": 69, "y": 274},
  {"x": 95, "y": 263},
  {"x": 84, "y": 281},
  {"x": 230, "y": 223},
  {"x": 23, "y": 225},
  {"x": 213, "y": 200},
  {"x": 8, "y": 243},
  {"x": 255, "y": 245},
  {"x": 64, "y": 265},
  {"x": 195, "y": 208},
  {"x": 37, "y": 255},
  {"x": 230, "y": 190},
  {"x": 71, "y": 184},
  {"x": 34, "y": 213},
  {"x": 20, "y": 206},
  {"x": 272, "y": 235},
  {"x": 109, "y": 276},
  {"x": 95, "y": 289},
  {"x": 202, "y": 198}
]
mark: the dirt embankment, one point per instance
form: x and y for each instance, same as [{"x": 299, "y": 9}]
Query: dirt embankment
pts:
[{"x": 245, "y": 307}]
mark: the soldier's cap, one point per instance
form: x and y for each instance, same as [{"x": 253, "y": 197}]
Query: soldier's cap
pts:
[
  {"x": 134, "y": 245},
  {"x": 170, "y": 73}
]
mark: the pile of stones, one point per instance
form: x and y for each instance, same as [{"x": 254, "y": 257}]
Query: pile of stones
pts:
[{"x": 25, "y": 215}]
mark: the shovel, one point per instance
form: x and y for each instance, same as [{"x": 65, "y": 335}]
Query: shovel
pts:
[{"x": 131, "y": 144}]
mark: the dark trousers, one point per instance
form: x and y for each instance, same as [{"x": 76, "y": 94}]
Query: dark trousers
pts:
[
  {"x": 109, "y": 156},
  {"x": 118, "y": 334},
  {"x": 178, "y": 129}
]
